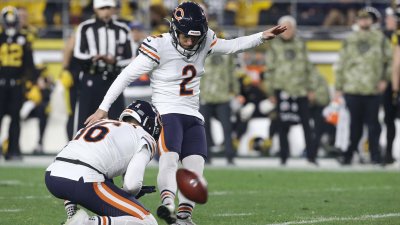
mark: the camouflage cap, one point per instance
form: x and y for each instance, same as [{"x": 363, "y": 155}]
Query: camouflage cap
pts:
[{"x": 363, "y": 13}]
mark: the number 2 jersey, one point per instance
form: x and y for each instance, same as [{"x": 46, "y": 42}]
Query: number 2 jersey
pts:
[
  {"x": 108, "y": 146},
  {"x": 175, "y": 79}
]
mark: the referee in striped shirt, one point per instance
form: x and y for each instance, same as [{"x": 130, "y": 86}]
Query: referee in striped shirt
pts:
[{"x": 103, "y": 48}]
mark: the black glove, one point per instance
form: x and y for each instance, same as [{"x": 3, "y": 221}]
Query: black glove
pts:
[{"x": 145, "y": 190}]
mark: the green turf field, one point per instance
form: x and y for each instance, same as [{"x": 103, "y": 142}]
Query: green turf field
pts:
[{"x": 237, "y": 196}]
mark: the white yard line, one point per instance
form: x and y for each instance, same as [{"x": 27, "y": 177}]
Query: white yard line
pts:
[
  {"x": 10, "y": 210},
  {"x": 27, "y": 197},
  {"x": 10, "y": 183},
  {"x": 234, "y": 214},
  {"x": 221, "y": 193},
  {"x": 331, "y": 219}
]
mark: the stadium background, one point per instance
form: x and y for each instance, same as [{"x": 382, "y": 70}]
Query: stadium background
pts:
[
  {"x": 258, "y": 190},
  {"x": 234, "y": 18}
]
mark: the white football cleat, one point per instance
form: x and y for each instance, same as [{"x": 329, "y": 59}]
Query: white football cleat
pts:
[
  {"x": 186, "y": 221},
  {"x": 79, "y": 218},
  {"x": 167, "y": 213}
]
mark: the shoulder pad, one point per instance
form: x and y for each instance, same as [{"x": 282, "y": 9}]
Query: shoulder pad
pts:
[
  {"x": 149, "y": 48},
  {"x": 151, "y": 144}
]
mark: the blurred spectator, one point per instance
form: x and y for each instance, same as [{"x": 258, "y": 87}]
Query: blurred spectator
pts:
[
  {"x": 311, "y": 14},
  {"x": 138, "y": 34},
  {"x": 158, "y": 24},
  {"x": 361, "y": 77},
  {"x": 376, "y": 17},
  {"x": 251, "y": 92},
  {"x": 27, "y": 29},
  {"x": 318, "y": 102},
  {"x": 52, "y": 8},
  {"x": 80, "y": 10},
  {"x": 127, "y": 9},
  {"x": 272, "y": 14},
  {"x": 289, "y": 76},
  {"x": 230, "y": 11},
  {"x": 16, "y": 66},
  {"x": 342, "y": 13},
  {"x": 218, "y": 86},
  {"x": 248, "y": 11},
  {"x": 35, "y": 10},
  {"x": 37, "y": 104},
  {"x": 87, "y": 10},
  {"x": 389, "y": 96},
  {"x": 69, "y": 78}
]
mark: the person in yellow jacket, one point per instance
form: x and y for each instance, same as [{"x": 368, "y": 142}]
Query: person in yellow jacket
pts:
[{"x": 37, "y": 104}]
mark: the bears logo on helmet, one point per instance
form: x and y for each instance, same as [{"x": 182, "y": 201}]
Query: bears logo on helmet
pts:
[{"x": 188, "y": 19}]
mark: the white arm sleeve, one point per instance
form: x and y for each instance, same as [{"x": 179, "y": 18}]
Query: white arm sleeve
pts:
[
  {"x": 133, "y": 179},
  {"x": 236, "y": 45},
  {"x": 140, "y": 65}
]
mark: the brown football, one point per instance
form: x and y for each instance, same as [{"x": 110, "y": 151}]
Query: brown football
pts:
[{"x": 192, "y": 186}]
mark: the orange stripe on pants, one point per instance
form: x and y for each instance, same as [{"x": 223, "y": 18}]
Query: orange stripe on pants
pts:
[
  {"x": 117, "y": 205},
  {"x": 164, "y": 146}
]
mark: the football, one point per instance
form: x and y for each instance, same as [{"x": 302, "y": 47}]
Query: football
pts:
[{"x": 192, "y": 186}]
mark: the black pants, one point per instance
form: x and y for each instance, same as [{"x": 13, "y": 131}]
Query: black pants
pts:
[
  {"x": 363, "y": 110},
  {"x": 11, "y": 98},
  {"x": 40, "y": 112},
  {"x": 319, "y": 128},
  {"x": 390, "y": 117},
  {"x": 92, "y": 89},
  {"x": 284, "y": 127},
  {"x": 73, "y": 95},
  {"x": 221, "y": 112}
]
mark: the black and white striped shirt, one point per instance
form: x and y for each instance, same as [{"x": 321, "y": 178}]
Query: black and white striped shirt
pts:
[{"x": 95, "y": 37}]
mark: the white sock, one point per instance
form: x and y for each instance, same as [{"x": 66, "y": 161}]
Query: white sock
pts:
[
  {"x": 70, "y": 208},
  {"x": 194, "y": 163},
  {"x": 121, "y": 220},
  {"x": 166, "y": 179}
]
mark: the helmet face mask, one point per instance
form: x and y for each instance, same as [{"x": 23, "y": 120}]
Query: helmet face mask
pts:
[
  {"x": 10, "y": 20},
  {"x": 146, "y": 115},
  {"x": 188, "y": 19}
]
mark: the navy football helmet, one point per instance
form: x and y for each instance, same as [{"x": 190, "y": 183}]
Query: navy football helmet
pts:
[
  {"x": 147, "y": 116},
  {"x": 189, "y": 19}
]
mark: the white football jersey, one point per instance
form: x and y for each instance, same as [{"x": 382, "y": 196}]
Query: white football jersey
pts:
[
  {"x": 108, "y": 146},
  {"x": 175, "y": 79}
]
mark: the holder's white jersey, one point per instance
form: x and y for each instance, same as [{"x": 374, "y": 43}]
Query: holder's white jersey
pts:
[
  {"x": 109, "y": 146},
  {"x": 175, "y": 79}
]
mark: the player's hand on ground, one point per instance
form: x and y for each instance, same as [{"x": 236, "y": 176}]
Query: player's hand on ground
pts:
[
  {"x": 273, "y": 32},
  {"x": 99, "y": 114},
  {"x": 145, "y": 190}
]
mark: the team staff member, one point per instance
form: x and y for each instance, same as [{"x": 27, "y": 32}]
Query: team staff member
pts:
[
  {"x": 103, "y": 47},
  {"x": 389, "y": 96},
  {"x": 360, "y": 77},
  {"x": 217, "y": 88},
  {"x": 288, "y": 81},
  {"x": 15, "y": 62}
]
